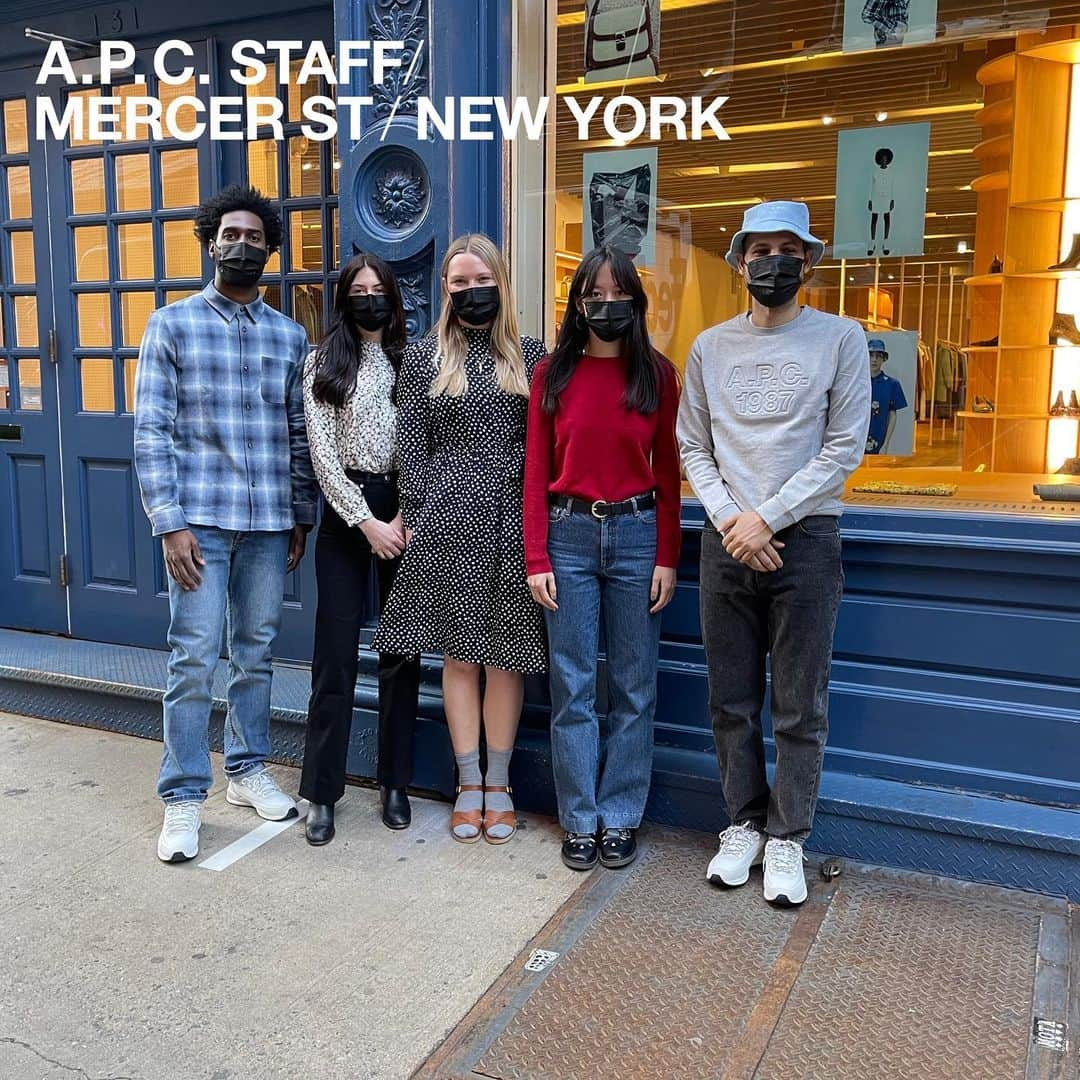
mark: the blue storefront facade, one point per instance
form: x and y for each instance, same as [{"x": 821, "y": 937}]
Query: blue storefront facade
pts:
[{"x": 955, "y": 697}]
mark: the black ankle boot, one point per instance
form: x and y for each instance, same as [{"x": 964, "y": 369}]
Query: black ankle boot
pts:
[
  {"x": 396, "y": 811},
  {"x": 1072, "y": 260},
  {"x": 319, "y": 827}
]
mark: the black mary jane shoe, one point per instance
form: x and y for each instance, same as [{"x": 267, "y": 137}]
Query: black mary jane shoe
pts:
[
  {"x": 319, "y": 826},
  {"x": 396, "y": 811},
  {"x": 579, "y": 851},
  {"x": 618, "y": 847}
]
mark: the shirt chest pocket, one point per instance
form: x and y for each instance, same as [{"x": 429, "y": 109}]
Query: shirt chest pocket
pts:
[{"x": 272, "y": 375}]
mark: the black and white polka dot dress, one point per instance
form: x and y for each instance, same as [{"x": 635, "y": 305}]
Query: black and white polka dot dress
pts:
[{"x": 461, "y": 589}]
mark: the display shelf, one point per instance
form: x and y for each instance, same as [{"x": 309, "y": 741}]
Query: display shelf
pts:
[
  {"x": 972, "y": 415},
  {"x": 1058, "y": 204},
  {"x": 1060, "y": 52},
  {"x": 999, "y": 114},
  {"x": 984, "y": 281},
  {"x": 995, "y": 181},
  {"x": 981, "y": 348},
  {"x": 1046, "y": 275},
  {"x": 988, "y": 149},
  {"x": 1002, "y": 69}
]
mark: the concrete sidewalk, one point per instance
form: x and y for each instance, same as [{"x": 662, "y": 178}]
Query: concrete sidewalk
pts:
[
  {"x": 392, "y": 954},
  {"x": 352, "y": 960}
]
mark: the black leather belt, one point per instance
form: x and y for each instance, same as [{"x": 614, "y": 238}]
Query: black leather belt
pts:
[
  {"x": 601, "y": 509},
  {"x": 371, "y": 477}
]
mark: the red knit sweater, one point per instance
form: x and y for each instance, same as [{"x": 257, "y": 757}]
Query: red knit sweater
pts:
[{"x": 595, "y": 448}]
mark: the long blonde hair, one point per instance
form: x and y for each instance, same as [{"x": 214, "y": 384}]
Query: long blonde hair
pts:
[{"x": 505, "y": 339}]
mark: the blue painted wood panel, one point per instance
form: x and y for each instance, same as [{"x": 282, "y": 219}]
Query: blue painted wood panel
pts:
[{"x": 29, "y": 529}]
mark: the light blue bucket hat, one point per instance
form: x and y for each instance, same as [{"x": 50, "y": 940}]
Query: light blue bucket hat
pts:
[{"x": 772, "y": 217}]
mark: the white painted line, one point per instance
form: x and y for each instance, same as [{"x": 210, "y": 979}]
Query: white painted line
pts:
[{"x": 248, "y": 843}]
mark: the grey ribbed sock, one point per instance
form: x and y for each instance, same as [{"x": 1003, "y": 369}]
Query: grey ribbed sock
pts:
[
  {"x": 468, "y": 773},
  {"x": 498, "y": 775}
]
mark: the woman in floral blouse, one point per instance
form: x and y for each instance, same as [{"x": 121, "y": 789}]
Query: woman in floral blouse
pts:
[{"x": 349, "y": 384}]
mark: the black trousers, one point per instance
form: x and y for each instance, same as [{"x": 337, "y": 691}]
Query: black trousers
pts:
[
  {"x": 790, "y": 614},
  {"x": 343, "y": 564}
]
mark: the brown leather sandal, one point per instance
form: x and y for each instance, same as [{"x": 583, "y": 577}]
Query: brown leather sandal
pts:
[
  {"x": 472, "y": 818},
  {"x": 499, "y": 817}
]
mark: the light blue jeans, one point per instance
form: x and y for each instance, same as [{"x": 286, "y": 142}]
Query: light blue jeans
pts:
[
  {"x": 243, "y": 585},
  {"x": 603, "y": 575}
]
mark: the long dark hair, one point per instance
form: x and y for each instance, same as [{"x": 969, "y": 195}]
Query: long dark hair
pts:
[
  {"x": 644, "y": 363},
  {"x": 338, "y": 354}
]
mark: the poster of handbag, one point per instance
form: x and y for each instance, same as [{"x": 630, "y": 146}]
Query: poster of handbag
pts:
[
  {"x": 620, "y": 202},
  {"x": 893, "y": 364},
  {"x": 622, "y": 39},
  {"x": 881, "y": 191},
  {"x": 879, "y": 24}
]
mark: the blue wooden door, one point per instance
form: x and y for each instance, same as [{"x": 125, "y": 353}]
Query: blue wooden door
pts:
[
  {"x": 121, "y": 217},
  {"x": 32, "y": 594}
]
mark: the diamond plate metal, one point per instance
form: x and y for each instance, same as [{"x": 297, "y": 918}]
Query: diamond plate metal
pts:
[
  {"x": 908, "y": 982},
  {"x": 906, "y": 977},
  {"x": 661, "y": 983}
]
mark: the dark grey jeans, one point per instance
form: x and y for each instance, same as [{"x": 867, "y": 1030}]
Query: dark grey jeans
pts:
[{"x": 790, "y": 614}]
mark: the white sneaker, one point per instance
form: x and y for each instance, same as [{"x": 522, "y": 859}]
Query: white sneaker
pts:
[
  {"x": 258, "y": 789},
  {"x": 784, "y": 881},
  {"x": 740, "y": 848},
  {"x": 179, "y": 838}
]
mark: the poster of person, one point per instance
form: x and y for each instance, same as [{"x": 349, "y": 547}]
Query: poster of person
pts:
[
  {"x": 622, "y": 39},
  {"x": 893, "y": 363},
  {"x": 878, "y": 24},
  {"x": 881, "y": 191},
  {"x": 619, "y": 188}
]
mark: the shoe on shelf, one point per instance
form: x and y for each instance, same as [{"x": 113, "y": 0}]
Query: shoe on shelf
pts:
[
  {"x": 1073, "y": 408},
  {"x": 1070, "y": 467},
  {"x": 319, "y": 824},
  {"x": 1064, "y": 326},
  {"x": 179, "y": 839},
  {"x": 995, "y": 266},
  {"x": 579, "y": 851},
  {"x": 785, "y": 884},
  {"x": 1058, "y": 408},
  {"x": 990, "y": 343},
  {"x": 1072, "y": 260},
  {"x": 396, "y": 810},
  {"x": 982, "y": 405},
  {"x": 618, "y": 847},
  {"x": 259, "y": 790},
  {"x": 741, "y": 846}
]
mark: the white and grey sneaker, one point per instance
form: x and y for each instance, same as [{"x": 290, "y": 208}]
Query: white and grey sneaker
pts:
[
  {"x": 179, "y": 838},
  {"x": 258, "y": 790},
  {"x": 785, "y": 883},
  {"x": 741, "y": 847}
]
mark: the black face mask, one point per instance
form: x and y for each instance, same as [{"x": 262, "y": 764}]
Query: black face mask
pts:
[
  {"x": 476, "y": 306},
  {"x": 240, "y": 264},
  {"x": 775, "y": 279},
  {"x": 610, "y": 320},
  {"x": 371, "y": 311}
]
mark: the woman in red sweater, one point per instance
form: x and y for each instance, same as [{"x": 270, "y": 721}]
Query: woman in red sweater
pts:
[{"x": 602, "y": 504}]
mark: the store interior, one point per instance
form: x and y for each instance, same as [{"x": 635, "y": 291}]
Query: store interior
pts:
[{"x": 987, "y": 284}]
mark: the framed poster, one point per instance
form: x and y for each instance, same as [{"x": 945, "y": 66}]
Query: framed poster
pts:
[
  {"x": 878, "y": 24},
  {"x": 881, "y": 191},
  {"x": 622, "y": 39},
  {"x": 619, "y": 193},
  {"x": 893, "y": 366}
]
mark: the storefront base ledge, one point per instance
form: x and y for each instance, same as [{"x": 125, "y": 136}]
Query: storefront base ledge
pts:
[{"x": 955, "y": 834}]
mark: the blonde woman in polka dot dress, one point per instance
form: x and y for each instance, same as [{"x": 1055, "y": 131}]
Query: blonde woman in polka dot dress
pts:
[{"x": 462, "y": 589}]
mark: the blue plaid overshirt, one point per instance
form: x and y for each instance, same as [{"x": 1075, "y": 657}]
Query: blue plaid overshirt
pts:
[{"x": 219, "y": 418}]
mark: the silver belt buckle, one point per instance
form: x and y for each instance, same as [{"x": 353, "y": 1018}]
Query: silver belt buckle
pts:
[{"x": 592, "y": 510}]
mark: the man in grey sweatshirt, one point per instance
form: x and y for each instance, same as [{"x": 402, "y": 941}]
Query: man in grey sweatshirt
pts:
[{"x": 774, "y": 416}]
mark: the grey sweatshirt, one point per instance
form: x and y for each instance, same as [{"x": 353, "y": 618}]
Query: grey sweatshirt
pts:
[{"x": 775, "y": 420}]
